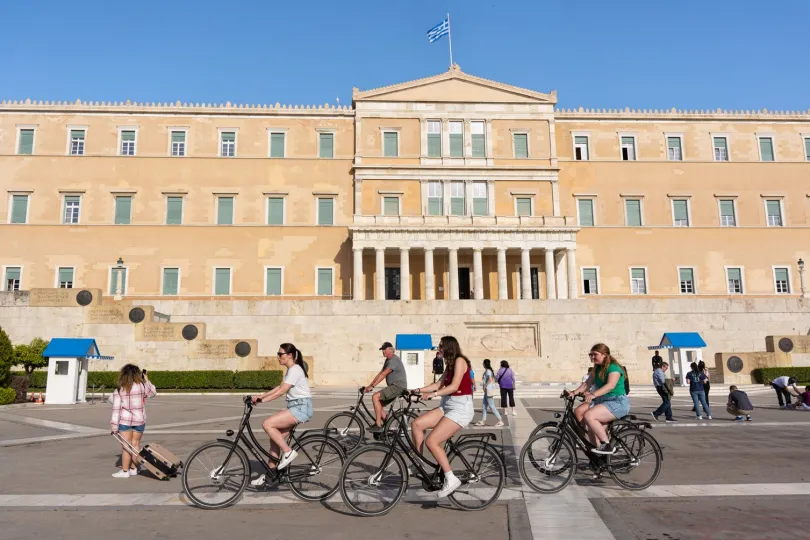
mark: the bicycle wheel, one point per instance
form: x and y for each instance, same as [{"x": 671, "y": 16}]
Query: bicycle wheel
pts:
[
  {"x": 315, "y": 473},
  {"x": 637, "y": 461},
  {"x": 392, "y": 423},
  {"x": 368, "y": 487},
  {"x": 349, "y": 431},
  {"x": 482, "y": 473},
  {"x": 551, "y": 426},
  {"x": 547, "y": 463},
  {"x": 209, "y": 482}
]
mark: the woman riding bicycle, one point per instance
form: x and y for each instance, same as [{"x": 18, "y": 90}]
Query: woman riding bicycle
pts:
[
  {"x": 609, "y": 397},
  {"x": 454, "y": 412},
  {"x": 299, "y": 407}
]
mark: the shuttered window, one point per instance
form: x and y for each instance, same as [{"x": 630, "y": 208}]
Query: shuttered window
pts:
[
  {"x": 581, "y": 148},
  {"x": 686, "y": 277},
  {"x": 123, "y": 210},
  {"x": 326, "y": 146},
  {"x": 326, "y": 214},
  {"x": 633, "y": 208},
  {"x": 524, "y": 206},
  {"x": 807, "y": 149},
  {"x": 479, "y": 140},
  {"x": 13, "y": 278},
  {"x": 128, "y": 143},
  {"x": 171, "y": 281},
  {"x": 76, "y": 142},
  {"x": 521, "y": 143},
  {"x": 390, "y": 144},
  {"x": 65, "y": 278},
  {"x": 734, "y": 278},
  {"x": 674, "y": 150},
  {"x": 115, "y": 275},
  {"x": 19, "y": 209},
  {"x": 178, "y": 143},
  {"x": 224, "y": 210},
  {"x": 26, "y": 144},
  {"x": 589, "y": 283},
  {"x": 324, "y": 282},
  {"x": 456, "y": 139},
  {"x": 434, "y": 139},
  {"x": 435, "y": 199},
  {"x": 727, "y": 214},
  {"x": 480, "y": 199},
  {"x": 585, "y": 212},
  {"x": 72, "y": 209},
  {"x": 275, "y": 211},
  {"x": 782, "y": 280},
  {"x": 457, "y": 199},
  {"x": 390, "y": 206},
  {"x": 774, "y": 210},
  {"x": 277, "y": 145},
  {"x": 638, "y": 281},
  {"x": 222, "y": 281},
  {"x": 273, "y": 281},
  {"x": 766, "y": 149},
  {"x": 174, "y": 210},
  {"x": 227, "y": 144},
  {"x": 680, "y": 213},
  {"x": 720, "y": 149},
  {"x": 628, "y": 148}
]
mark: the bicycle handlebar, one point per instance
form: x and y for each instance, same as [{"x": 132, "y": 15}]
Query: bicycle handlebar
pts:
[{"x": 568, "y": 395}]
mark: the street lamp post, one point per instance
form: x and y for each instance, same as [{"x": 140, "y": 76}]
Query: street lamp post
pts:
[
  {"x": 801, "y": 279},
  {"x": 118, "y": 274}
]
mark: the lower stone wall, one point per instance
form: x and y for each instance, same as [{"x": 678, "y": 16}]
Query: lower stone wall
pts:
[{"x": 543, "y": 340}]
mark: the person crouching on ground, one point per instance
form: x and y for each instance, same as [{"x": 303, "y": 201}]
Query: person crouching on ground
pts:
[
  {"x": 804, "y": 400},
  {"x": 129, "y": 413},
  {"x": 739, "y": 404}
]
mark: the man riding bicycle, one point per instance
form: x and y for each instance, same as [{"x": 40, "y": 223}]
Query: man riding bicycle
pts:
[{"x": 393, "y": 371}]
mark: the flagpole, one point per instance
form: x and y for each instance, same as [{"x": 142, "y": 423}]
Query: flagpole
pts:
[{"x": 450, "y": 39}]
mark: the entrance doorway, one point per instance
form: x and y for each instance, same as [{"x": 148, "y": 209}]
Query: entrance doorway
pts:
[
  {"x": 392, "y": 277},
  {"x": 534, "y": 278},
  {"x": 464, "y": 284}
]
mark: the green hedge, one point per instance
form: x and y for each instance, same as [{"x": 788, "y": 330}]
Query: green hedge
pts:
[
  {"x": 766, "y": 375},
  {"x": 180, "y": 380},
  {"x": 7, "y": 395}
]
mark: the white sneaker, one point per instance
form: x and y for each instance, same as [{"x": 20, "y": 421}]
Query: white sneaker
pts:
[
  {"x": 480, "y": 424},
  {"x": 287, "y": 458},
  {"x": 121, "y": 474},
  {"x": 449, "y": 487},
  {"x": 259, "y": 482},
  {"x": 708, "y": 417},
  {"x": 133, "y": 472},
  {"x": 499, "y": 424},
  {"x": 514, "y": 412}
]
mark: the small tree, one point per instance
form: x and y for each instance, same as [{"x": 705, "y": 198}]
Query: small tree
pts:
[
  {"x": 6, "y": 358},
  {"x": 30, "y": 356}
]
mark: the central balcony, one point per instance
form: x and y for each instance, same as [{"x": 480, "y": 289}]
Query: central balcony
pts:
[{"x": 483, "y": 222}]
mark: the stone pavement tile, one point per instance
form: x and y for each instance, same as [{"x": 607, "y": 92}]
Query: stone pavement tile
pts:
[{"x": 15, "y": 430}]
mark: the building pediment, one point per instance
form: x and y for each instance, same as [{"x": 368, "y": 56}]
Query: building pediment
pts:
[{"x": 455, "y": 86}]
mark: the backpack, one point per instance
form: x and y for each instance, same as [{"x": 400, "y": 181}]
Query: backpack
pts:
[{"x": 626, "y": 381}]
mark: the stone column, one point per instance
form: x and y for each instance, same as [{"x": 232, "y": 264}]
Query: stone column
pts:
[
  {"x": 503, "y": 291},
  {"x": 404, "y": 274},
  {"x": 453, "y": 271},
  {"x": 379, "y": 293},
  {"x": 551, "y": 286},
  {"x": 526, "y": 273},
  {"x": 430, "y": 276},
  {"x": 571, "y": 260},
  {"x": 562, "y": 275},
  {"x": 358, "y": 273},
  {"x": 478, "y": 274}
]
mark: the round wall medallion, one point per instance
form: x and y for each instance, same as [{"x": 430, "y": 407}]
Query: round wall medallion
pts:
[
  {"x": 190, "y": 332},
  {"x": 785, "y": 344},
  {"x": 84, "y": 298},
  {"x": 242, "y": 349},
  {"x": 734, "y": 364},
  {"x": 136, "y": 315}
]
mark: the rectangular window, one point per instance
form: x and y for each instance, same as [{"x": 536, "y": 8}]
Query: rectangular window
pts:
[
  {"x": 128, "y": 143},
  {"x": 523, "y": 206},
  {"x": 782, "y": 280},
  {"x": 65, "y": 276},
  {"x": 26, "y": 142},
  {"x": 174, "y": 210},
  {"x": 390, "y": 206},
  {"x": 720, "y": 148},
  {"x": 728, "y": 217},
  {"x": 534, "y": 282},
  {"x": 480, "y": 199},
  {"x": 585, "y": 207},
  {"x": 774, "y": 212},
  {"x": 19, "y": 209},
  {"x": 171, "y": 281},
  {"x": 72, "y": 209},
  {"x": 807, "y": 148},
  {"x": 178, "y": 143},
  {"x": 62, "y": 367},
  {"x": 275, "y": 210},
  {"x": 224, "y": 210},
  {"x": 590, "y": 284},
  {"x": 581, "y": 148},
  {"x": 273, "y": 287},
  {"x": 324, "y": 282},
  {"x": 456, "y": 139},
  {"x": 123, "y": 209},
  {"x": 680, "y": 212},
  {"x": 326, "y": 145},
  {"x": 674, "y": 150},
  {"x": 686, "y": 276},
  {"x": 222, "y": 281},
  {"x": 457, "y": 201},
  {"x": 434, "y": 138},
  {"x": 435, "y": 199},
  {"x": 13, "y": 278},
  {"x": 628, "y": 148},
  {"x": 766, "y": 149},
  {"x": 115, "y": 275},
  {"x": 633, "y": 209},
  {"x": 521, "y": 143},
  {"x": 638, "y": 281},
  {"x": 479, "y": 139},
  {"x": 277, "y": 144},
  {"x": 227, "y": 144},
  {"x": 326, "y": 211},
  {"x": 77, "y": 142},
  {"x": 734, "y": 279},
  {"x": 390, "y": 144}
]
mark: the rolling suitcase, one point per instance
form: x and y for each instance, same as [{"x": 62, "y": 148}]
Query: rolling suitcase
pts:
[{"x": 156, "y": 459}]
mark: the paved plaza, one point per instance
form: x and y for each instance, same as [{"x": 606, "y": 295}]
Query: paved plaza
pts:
[{"x": 720, "y": 479}]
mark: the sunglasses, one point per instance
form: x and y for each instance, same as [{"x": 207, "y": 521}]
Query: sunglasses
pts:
[{"x": 280, "y": 354}]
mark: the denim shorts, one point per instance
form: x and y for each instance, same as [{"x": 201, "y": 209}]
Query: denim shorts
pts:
[
  {"x": 617, "y": 405},
  {"x": 459, "y": 409},
  {"x": 122, "y": 428},
  {"x": 300, "y": 408}
]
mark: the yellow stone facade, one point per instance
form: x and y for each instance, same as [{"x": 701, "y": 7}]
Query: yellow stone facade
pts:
[{"x": 444, "y": 187}]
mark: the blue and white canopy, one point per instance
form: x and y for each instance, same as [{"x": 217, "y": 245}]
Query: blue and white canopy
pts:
[
  {"x": 74, "y": 348},
  {"x": 680, "y": 340}
]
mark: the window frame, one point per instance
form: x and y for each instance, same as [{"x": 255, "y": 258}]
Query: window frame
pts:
[
  {"x": 640, "y": 200},
  {"x": 163, "y": 279},
  {"x": 20, "y": 128},
  {"x": 57, "y": 282},
  {"x": 780, "y": 200},
  {"x": 281, "y": 285},
  {"x": 217, "y": 197},
  {"x": 214, "y": 280},
  {"x": 428, "y": 133},
  {"x": 463, "y": 197},
  {"x": 125, "y": 288},
  {"x": 324, "y": 131},
  {"x": 743, "y": 288},
  {"x": 785, "y": 267},
  {"x": 65, "y": 195},
  {"x": 733, "y": 207},
  {"x": 121, "y": 130},
  {"x": 276, "y": 131},
  {"x": 694, "y": 280},
  {"x": 582, "y": 280},
  {"x": 22, "y": 274},
  {"x": 680, "y": 137},
  {"x": 440, "y": 197},
  {"x": 332, "y": 275},
  {"x": 688, "y": 201},
  {"x": 531, "y": 204},
  {"x": 182, "y": 197},
  {"x": 631, "y": 135},
  {"x": 11, "y": 195},
  {"x": 267, "y": 197},
  {"x": 384, "y": 196},
  {"x": 526, "y": 132},
  {"x": 646, "y": 280},
  {"x": 115, "y": 197},
  {"x": 587, "y": 135},
  {"x": 383, "y": 131},
  {"x": 806, "y": 146},
  {"x": 727, "y": 138},
  {"x": 591, "y": 198},
  {"x": 185, "y": 130},
  {"x": 220, "y": 132},
  {"x": 317, "y": 210},
  {"x": 70, "y": 140},
  {"x": 483, "y": 124},
  {"x": 770, "y": 136}
]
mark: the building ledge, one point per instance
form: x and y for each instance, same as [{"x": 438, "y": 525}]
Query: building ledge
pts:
[{"x": 467, "y": 221}]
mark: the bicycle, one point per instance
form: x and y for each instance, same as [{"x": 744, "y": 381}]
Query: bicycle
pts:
[
  {"x": 223, "y": 467},
  {"x": 554, "y": 455},
  {"x": 375, "y": 477}
]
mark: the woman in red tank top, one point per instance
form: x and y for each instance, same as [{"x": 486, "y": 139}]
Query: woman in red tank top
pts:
[{"x": 455, "y": 411}]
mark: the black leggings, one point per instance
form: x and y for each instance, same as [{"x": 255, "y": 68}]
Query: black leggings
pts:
[{"x": 510, "y": 392}]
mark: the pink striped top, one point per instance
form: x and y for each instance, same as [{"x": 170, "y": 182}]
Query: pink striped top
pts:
[{"x": 129, "y": 408}]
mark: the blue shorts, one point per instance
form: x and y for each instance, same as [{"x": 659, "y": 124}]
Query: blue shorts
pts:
[
  {"x": 300, "y": 408},
  {"x": 617, "y": 405},
  {"x": 122, "y": 428}
]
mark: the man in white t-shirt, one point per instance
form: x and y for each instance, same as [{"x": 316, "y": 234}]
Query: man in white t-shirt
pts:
[{"x": 783, "y": 386}]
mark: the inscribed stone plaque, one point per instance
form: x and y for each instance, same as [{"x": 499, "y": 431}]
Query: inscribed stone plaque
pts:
[
  {"x": 106, "y": 314},
  {"x": 63, "y": 297},
  {"x": 158, "y": 332}
]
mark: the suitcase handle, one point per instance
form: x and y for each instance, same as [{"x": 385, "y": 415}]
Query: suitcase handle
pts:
[{"x": 126, "y": 444}]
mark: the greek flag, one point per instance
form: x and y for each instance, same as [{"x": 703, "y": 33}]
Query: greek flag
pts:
[{"x": 441, "y": 29}]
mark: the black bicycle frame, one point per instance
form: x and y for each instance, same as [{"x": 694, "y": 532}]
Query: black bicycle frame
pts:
[{"x": 362, "y": 410}]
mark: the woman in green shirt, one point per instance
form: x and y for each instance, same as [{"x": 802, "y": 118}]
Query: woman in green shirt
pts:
[{"x": 609, "y": 398}]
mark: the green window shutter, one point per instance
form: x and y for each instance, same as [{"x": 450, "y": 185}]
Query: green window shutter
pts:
[
  {"x": 326, "y": 212},
  {"x": 434, "y": 145},
  {"x": 174, "y": 210},
  {"x": 773, "y": 208},
  {"x": 178, "y": 136},
  {"x": 127, "y": 135},
  {"x": 327, "y": 146},
  {"x": 171, "y": 279},
  {"x": 807, "y": 149},
  {"x": 72, "y": 199},
  {"x": 478, "y": 145},
  {"x": 456, "y": 145},
  {"x": 324, "y": 281},
  {"x": 685, "y": 274},
  {"x": 637, "y": 273},
  {"x": 679, "y": 208},
  {"x": 726, "y": 208},
  {"x": 581, "y": 139},
  {"x": 720, "y": 142},
  {"x": 224, "y": 210},
  {"x": 524, "y": 206},
  {"x": 390, "y": 206},
  {"x": 585, "y": 213},
  {"x": 521, "y": 145},
  {"x": 589, "y": 274},
  {"x": 26, "y": 142},
  {"x": 633, "y": 212},
  {"x": 114, "y": 280},
  {"x": 625, "y": 140},
  {"x": 222, "y": 281},
  {"x": 275, "y": 211},
  {"x": 457, "y": 206},
  {"x": 734, "y": 273},
  {"x": 13, "y": 273},
  {"x": 390, "y": 140},
  {"x": 123, "y": 210},
  {"x": 19, "y": 209},
  {"x": 480, "y": 207},
  {"x": 435, "y": 206},
  {"x": 77, "y": 134},
  {"x": 781, "y": 274},
  {"x": 274, "y": 281},
  {"x": 277, "y": 145},
  {"x": 228, "y": 136},
  {"x": 766, "y": 148},
  {"x": 65, "y": 275}
]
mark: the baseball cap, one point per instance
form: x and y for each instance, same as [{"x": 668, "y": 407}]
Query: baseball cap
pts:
[{"x": 386, "y": 345}]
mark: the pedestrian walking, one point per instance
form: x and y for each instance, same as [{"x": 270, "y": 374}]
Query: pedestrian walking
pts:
[
  {"x": 665, "y": 391},
  {"x": 739, "y": 404},
  {"x": 488, "y": 384},
  {"x": 438, "y": 365},
  {"x": 696, "y": 379},
  {"x": 506, "y": 380},
  {"x": 129, "y": 414},
  {"x": 783, "y": 386}
]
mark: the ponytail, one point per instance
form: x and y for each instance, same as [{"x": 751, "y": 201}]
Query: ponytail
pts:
[{"x": 289, "y": 348}]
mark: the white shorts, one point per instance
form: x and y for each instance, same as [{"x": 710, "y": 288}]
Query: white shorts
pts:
[{"x": 459, "y": 409}]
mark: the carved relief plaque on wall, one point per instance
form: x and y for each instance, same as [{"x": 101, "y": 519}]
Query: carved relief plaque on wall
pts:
[{"x": 503, "y": 339}]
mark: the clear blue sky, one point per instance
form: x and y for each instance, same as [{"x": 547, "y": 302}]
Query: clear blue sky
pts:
[{"x": 646, "y": 54}]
